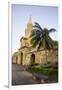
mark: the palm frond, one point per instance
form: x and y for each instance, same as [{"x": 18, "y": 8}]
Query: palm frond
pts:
[
  {"x": 35, "y": 32},
  {"x": 40, "y": 44},
  {"x": 32, "y": 40},
  {"x": 52, "y": 30},
  {"x": 34, "y": 45},
  {"x": 37, "y": 26},
  {"x": 50, "y": 42},
  {"x": 32, "y": 33},
  {"x": 35, "y": 40},
  {"x": 36, "y": 29}
]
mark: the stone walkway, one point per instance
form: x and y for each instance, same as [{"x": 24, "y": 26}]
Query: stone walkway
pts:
[{"x": 20, "y": 76}]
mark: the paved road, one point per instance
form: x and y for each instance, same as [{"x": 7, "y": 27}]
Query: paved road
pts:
[{"x": 21, "y": 76}]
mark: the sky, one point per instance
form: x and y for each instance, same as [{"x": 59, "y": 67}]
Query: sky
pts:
[{"x": 46, "y": 16}]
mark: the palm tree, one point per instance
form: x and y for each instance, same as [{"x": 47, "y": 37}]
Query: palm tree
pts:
[{"x": 40, "y": 38}]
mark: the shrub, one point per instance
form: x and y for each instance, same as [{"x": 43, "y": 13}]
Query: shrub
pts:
[{"x": 43, "y": 70}]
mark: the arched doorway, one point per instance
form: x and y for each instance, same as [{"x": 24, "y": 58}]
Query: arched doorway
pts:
[
  {"x": 16, "y": 59},
  {"x": 21, "y": 58},
  {"x": 33, "y": 59}
]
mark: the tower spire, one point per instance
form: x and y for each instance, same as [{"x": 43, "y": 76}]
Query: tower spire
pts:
[
  {"x": 28, "y": 28},
  {"x": 30, "y": 20}
]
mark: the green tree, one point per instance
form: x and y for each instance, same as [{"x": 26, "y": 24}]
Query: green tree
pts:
[{"x": 40, "y": 38}]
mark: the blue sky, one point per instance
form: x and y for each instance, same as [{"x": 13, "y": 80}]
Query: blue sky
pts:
[{"x": 46, "y": 16}]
